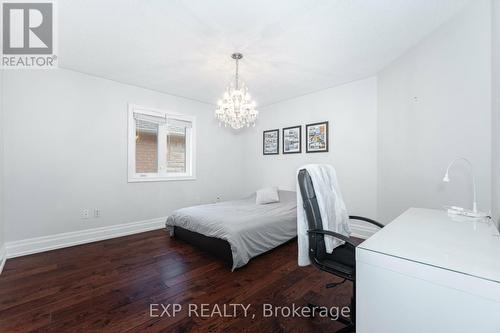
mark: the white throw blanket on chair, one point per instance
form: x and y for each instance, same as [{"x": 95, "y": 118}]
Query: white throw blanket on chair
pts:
[{"x": 332, "y": 209}]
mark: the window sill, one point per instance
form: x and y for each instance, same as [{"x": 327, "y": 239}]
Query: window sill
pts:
[{"x": 160, "y": 179}]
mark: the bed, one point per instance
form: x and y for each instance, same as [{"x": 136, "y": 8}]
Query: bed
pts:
[{"x": 238, "y": 230}]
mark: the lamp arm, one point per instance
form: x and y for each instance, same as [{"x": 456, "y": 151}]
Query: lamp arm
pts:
[{"x": 474, "y": 203}]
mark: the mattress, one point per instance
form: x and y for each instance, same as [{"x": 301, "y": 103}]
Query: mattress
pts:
[{"x": 250, "y": 229}]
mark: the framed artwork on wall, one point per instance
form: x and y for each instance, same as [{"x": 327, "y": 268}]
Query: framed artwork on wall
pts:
[
  {"x": 271, "y": 142},
  {"x": 317, "y": 137},
  {"x": 292, "y": 140}
]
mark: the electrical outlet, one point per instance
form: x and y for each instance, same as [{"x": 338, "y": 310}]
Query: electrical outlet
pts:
[
  {"x": 85, "y": 213},
  {"x": 97, "y": 212}
]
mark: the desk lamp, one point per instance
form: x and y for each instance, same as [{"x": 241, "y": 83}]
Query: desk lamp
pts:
[{"x": 459, "y": 210}]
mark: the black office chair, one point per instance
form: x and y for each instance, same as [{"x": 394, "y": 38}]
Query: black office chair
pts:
[{"x": 341, "y": 262}]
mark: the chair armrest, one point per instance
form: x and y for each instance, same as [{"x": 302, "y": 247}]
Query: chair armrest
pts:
[
  {"x": 333, "y": 234},
  {"x": 361, "y": 218}
]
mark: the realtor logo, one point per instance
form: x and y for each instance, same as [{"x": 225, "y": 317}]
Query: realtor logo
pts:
[{"x": 28, "y": 35}]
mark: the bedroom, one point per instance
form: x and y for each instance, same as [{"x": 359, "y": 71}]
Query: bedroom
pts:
[{"x": 112, "y": 134}]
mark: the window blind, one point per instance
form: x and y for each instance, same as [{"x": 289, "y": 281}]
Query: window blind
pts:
[{"x": 150, "y": 118}]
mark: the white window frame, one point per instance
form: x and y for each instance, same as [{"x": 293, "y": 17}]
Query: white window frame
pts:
[{"x": 162, "y": 174}]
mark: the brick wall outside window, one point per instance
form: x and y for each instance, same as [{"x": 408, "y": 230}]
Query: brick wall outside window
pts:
[
  {"x": 176, "y": 153},
  {"x": 146, "y": 153}
]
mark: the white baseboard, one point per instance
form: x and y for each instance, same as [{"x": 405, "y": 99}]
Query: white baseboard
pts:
[
  {"x": 3, "y": 257},
  {"x": 362, "y": 230},
  {"x": 52, "y": 242},
  {"x": 47, "y": 243}
]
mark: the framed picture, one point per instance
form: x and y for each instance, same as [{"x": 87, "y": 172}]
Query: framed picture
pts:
[
  {"x": 292, "y": 140},
  {"x": 271, "y": 142},
  {"x": 317, "y": 137}
]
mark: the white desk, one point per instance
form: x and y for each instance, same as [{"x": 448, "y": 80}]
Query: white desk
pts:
[{"x": 429, "y": 272}]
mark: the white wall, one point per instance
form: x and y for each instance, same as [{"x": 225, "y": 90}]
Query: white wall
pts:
[
  {"x": 351, "y": 110},
  {"x": 495, "y": 166},
  {"x": 434, "y": 105},
  {"x": 66, "y": 149},
  {"x": 2, "y": 227},
  {"x": 391, "y": 138}
]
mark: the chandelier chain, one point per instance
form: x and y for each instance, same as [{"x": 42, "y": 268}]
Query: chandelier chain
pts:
[{"x": 237, "y": 69}]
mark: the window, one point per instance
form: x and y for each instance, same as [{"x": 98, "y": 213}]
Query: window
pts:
[{"x": 161, "y": 145}]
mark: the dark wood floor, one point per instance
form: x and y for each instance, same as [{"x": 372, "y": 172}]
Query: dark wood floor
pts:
[{"x": 108, "y": 286}]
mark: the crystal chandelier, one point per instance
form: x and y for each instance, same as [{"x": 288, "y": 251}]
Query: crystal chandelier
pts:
[{"x": 236, "y": 108}]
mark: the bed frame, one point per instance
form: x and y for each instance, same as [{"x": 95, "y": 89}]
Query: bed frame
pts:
[{"x": 215, "y": 246}]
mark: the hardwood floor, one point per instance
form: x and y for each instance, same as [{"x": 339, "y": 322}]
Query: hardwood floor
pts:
[{"x": 109, "y": 286}]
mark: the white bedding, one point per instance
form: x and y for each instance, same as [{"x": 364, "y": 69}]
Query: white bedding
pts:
[{"x": 249, "y": 228}]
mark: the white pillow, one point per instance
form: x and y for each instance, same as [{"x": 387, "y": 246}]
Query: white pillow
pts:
[{"x": 267, "y": 195}]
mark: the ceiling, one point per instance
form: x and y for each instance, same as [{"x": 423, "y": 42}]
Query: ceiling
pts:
[{"x": 290, "y": 47}]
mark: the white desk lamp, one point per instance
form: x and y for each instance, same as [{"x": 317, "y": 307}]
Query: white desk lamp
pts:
[{"x": 459, "y": 210}]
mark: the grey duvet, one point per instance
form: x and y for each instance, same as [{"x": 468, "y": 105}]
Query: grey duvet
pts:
[{"x": 250, "y": 229}]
